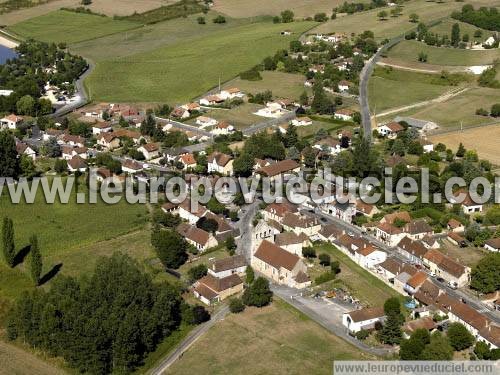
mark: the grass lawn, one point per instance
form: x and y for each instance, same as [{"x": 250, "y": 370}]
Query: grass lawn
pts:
[
  {"x": 393, "y": 26},
  {"x": 69, "y": 27},
  {"x": 362, "y": 284},
  {"x": 310, "y": 130},
  {"x": 460, "y": 108},
  {"x": 408, "y": 50},
  {"x": 388, "y": 93},
  {"x": 284, "y": 85},
  {"x": 276, "y": 339},
  {"x": 468, "y": 256},
  {"x": 240, "y": 117},
  {"x": 154, "y": 76},
  {"x": 444, "y": 28}
]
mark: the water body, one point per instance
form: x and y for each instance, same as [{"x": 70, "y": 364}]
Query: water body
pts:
[{"x": 6, "y": 53}]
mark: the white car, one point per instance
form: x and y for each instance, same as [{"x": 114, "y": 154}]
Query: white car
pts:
[{"x": 452, "y": 284}]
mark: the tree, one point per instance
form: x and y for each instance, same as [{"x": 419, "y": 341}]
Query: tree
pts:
[
  {"x": 258, "y": 293},
  {"x": 320, "y": 17},
  {"x": 51, "y": 148},
  {"x": 304, "y": 98},
  {"x": 495, "y": 110},
  {"x": 391, "y": 333},
  {"x": 482, "y": 350},
  {"x": 414, "y": 17},
  {"x": 60, "y": 165},
  {"x": 455, "y": 35},
  {"x": 249, "y": 275},
  {"x": 197, "y": 272},
  {"x": 291, "y": 137},
  {"x": 230, "y": 244},
  {"x": 27, "y": 166},
  {"x": 459, "y": 337},
  {"x": 236, "y": 305},
  {"x": 201, "y": 20},
  {"x": 9, "y": 162},
  {"x": 243, "y": 165},
  {"x": 197, "y": 315},
  {"x": 335, "y": 267},
  {"x": 208, "y": 225},
  {"x": 422, "y": 57},
  {"x": 382, "y": 15},
  {"x": 438, "y": 349},
  {"x": 26, "y": 105},
  {"x": 9, "y": 249},
  {"x": 287, "y": 16},
  {"x": 324, "y": 259},
  {"x": 170, "y": 248},
  {"x": 219, "y": 19},
  {"x": 485, "y": 276},
  {"x": 35, "y": 260},
  {"x": 309, "y": 252},
  {"x": 461, "y": 150},
  {"x": 411, "y": 349}
]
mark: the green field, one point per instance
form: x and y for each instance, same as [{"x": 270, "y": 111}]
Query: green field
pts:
[
  {"x": 276, "y": 339},
  {"x": 154, "y": 76},
  {"x": 69, "y": 27},
  {"x": 444, "y": 28},
  {"x": 408, "y": 50},
  {"x": 460, "y": 108},
  {"x": 402, "y": 89}
]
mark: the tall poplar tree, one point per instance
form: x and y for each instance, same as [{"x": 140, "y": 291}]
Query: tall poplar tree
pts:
[
  {"x": 9, "y": 251},
  {"x": 35, "y": 260}
]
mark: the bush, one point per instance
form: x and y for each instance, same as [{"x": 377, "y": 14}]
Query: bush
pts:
[
  {"x": 482, "y": 112},
  {"x": 495, "y": 110},
  {"x": 459, "y": 337},
  {"x": 219, "y": 19},
  {"x": 323, "y": 278},
  {"x": 236, "y": 305},
  {"x": 362, "y": 335},
  {"x": 324, "y": 259},
  {"x": 320, "y": 17},
  {"x": 197, "y": 315},
  {"x": 197, "y": 272},
  {"x": 201, "y": 20},
  {"x": 258, "y": 293},
  {"x": 308, "y": 252},
  {"x": 335, "y": 267}
]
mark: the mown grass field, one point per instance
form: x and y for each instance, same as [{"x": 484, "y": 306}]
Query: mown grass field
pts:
[
  {"x": 276, "y": 339},
  {"x": 363, "y": 285},
  {"x": 240, "y": 117},
  {"x": 409, "y": 50},
  {"x": 402, "y": 89},
  {"x": 154, "y": 76},
  {"x": 284, "y": 85},
  {"x": 428, "y": 11},
  {"x": 69, "y": 27},
  {"x": 301, "y": 8},
  {"x": 461, "y": 108},
  {"x": 444, "y": 28},
  {"x": 24, "y": 14}
]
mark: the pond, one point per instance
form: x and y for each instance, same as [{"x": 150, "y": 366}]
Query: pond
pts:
[{"x": 6, "y": 53}]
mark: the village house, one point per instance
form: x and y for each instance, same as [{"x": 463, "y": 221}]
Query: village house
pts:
[
  {"x": 188, "y": 161},
  {"x": 330, "y": 233},
  {"x": 131, "y": 166},
  {"x": 390, "y": 130},
  {"x": 222, "y": 128},
  {"x": 301, "y": 121},
  {"x": 190, "y": 214},
  {"x": 427, "y": 145},
  {"x": 343, "y": 211},
  {"x": 350, "y": 244},
  {"x": 277, "y": 211},
  {"x": 271, "y": 110},
  {"x": 205, "y": 122},
  {"x": 415, "y": 282},
  {"x": 363, "y": 319},
  {"x": 135, "y": 136},
  {"x": 210, "y": 289},
  {"x": 389, "y": 234},
  {"x": 221, "y": 268},
  {"x": 402, "y": 216},
  {"x": 301, "y": 224},
  {"x": 343, "y": 86},
  {"x": 328, "y": 145},
  {"x": 426, "y": 323},
  {"x": 77, "y": 164},
  {"x": 220, "y": 163},
  {"x": 23, "y": 149},
  {"x": 391, "y": 269},
  {"x": 414, "y": 251},
  {"x": 468, "y": 205},
  {"x": 418, "y": 229},
  {"x": 49, "y": 134},
  {"x": 199, "y": 238},
  {"x": 369, "y": 256},
  {"x": 231, "y": 93},
  {"x": 456, "y": 239},
  {"x": 280, "y": 266},
  {"x": 72, "y": 140},
  {"x": 445, "y": 267},
  {"x": 170, "y": 208},
  {"x": 291, "y": 242},
  {"x": 455, "y": 226},
  {"x": 265, "y": 230},
  {"x": 493, "y": 245},
  {"x": 211, "y": 100},
  {"x": 344, "y": 114},
  {"x": 150, "y": 150},
  {"x": 366, "y": 209},
  {"x": 11, "y": 122},
  {"x": 280, "y": 168},
  {"x": 108, "y": 140},
  {"x": 101, "y": 127}
]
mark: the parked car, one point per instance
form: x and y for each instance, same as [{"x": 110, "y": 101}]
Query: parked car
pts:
[
  {"x": 452, "y": 284},
  {"x": 440, "y": 279}
]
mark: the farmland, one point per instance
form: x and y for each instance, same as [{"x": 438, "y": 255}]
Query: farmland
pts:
[
  {"x": 301, "y": 8},
  {"x": 153, "y": 76},
  {"x": 408, "y": 50},
  {"x": 444, "y": 28},
  {"x": 460, "y": 108},
  {"x": 484, "y": 140},
  {"x": 276, "y": 339},
  {"x": 69, "y": 27},
  {"x": 401, "y": 88}
]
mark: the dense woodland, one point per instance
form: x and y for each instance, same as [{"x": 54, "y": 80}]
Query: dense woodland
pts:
[
  {"x": 106, "y": 322},
  {"x": 485, "y": 18},
  {"x": 36, "y": 64}
]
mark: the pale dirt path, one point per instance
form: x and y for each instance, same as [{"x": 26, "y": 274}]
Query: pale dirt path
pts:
[
  {"x": 407, "y": 68},
  {"x": 446, "y": 96}
]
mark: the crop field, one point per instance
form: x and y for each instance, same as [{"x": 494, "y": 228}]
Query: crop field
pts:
[
  {"x": 284, "y": 85},
  {"x": 387, "y": 93},
  {"x": 20, "y": 15},
  {"x": 393, "y": 26},
  {"x": 276, "y": 339},
  {"x": 461, "y": 108},
  {"x": 484, "y": 140},
  {"x": 69, "y": 27},
  {"x": 408, "y": 50},
  {"x": 154, "y": 76},
  {"x": 301, "y": 8},
  {"x": 126, "y": 7}
]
